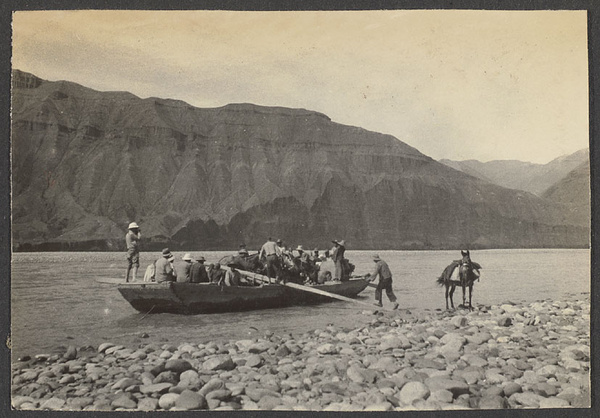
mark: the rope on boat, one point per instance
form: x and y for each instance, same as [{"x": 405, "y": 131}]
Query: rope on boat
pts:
[{"x": 153, "y": 306}]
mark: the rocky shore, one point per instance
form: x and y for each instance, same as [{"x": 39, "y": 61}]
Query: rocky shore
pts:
[{"x": 511, "y": 355}]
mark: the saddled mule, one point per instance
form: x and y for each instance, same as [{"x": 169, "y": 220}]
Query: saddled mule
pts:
[{"x": 465, "y": 277}]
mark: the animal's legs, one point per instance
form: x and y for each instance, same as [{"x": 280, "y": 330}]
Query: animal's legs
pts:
[
  {"x": 452, "y": 293},
  {"x": 470, "y": 296},
  {"x": 447, "y": 289}
]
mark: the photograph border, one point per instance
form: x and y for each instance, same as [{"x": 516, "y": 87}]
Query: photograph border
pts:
[{"x": 8, "y": 7}]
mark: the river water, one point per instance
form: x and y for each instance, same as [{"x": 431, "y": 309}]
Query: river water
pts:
[{"x": 58, "y": 299}]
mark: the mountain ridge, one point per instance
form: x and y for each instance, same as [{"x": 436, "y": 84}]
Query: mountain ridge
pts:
[
  {"x": 86, "y": 163},
  {"x": 522, "y": 175}
]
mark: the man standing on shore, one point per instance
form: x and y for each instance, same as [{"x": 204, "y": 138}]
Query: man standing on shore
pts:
[
  {"x": 133, "y": 250},
  {"x": 385, "y": 282}
]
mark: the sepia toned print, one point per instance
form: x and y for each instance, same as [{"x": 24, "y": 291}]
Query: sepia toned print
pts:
[{"x": 314, "y": 211}]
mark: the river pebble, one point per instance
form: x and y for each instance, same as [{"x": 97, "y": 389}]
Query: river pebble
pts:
[{"x": 505, "y": 356}]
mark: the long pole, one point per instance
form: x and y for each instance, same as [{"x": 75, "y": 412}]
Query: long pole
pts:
[{"x": 309, "y": 289}]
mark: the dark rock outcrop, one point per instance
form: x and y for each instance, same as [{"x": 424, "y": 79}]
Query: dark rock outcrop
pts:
[{"x": 85, "y": 163}]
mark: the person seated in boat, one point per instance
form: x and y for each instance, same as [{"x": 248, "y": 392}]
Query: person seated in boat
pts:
[
  {"x": 164, "y": 268},
  {"x": 288, "y": 264},
  {"x": 316, "y": 262},
  {"x": 216, "y": 274},
  {"x": 198, "y": 273},
  {"x": 347, "y": 270},
  {"x": 323, "y": 276},
  {"x": 326, "y": 269},
  {"x": 306, "y": 266},
  {"x": 241, "y": 258},
  {"x": 280, "y": 245},
  {"x": 287, "y": 255},
  {"x": 183, "y": 267},
  {"x": 302, "y": 256},
  {"x": 233, "y": 277}
]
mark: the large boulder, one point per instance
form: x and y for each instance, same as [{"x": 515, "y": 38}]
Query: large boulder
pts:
[
  {"x": 219, "y": 363},
  {"x": 177, "y": 365},
  {"x": 413, "y": 391},
  {"x": 189, "y": 400}
]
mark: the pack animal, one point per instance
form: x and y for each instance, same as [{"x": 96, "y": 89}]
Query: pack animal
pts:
[{"x": 459, "y": 274}]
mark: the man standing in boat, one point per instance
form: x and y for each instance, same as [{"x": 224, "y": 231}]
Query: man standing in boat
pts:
[
  {"x": 338, "y": 258},
  {"x": 385, "y": 282},
  {"x": 133, "y": 250},
  {"x": 272, "y": 252}
]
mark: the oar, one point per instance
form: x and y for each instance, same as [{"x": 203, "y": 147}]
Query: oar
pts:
[
  {"x": 112, "y": 280},
  {"x": 305, "y": 288}
]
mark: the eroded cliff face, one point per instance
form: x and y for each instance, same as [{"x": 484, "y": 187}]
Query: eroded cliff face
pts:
[
  {"x": 86, "y": 163},
  {"x": 572, "y": 193}
]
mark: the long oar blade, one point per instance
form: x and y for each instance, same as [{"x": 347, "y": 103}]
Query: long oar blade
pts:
[{"x": 305, "y": 288}]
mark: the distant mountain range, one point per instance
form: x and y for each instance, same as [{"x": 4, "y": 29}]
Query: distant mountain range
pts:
[
  {"x": 530, "y": 177},
  {"x": 573, "y": 191},
  {"x": 86, "y": 163}
]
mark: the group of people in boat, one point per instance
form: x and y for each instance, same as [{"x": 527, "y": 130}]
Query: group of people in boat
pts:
[
  {"x": 276, "y": 262},
  {"x": 191, "y": 270},
  {"x": 282, "y": 263},
  {"x": 274, "y": 259}
]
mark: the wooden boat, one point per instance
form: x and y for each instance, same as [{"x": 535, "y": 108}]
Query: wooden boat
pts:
[{"x": 196, "y": 298}]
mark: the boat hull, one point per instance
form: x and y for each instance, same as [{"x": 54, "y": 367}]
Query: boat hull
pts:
[{"x": 197, "y": 298}]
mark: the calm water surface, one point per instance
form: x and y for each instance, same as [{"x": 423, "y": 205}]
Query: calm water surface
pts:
[{"x": 57, "y": 300}]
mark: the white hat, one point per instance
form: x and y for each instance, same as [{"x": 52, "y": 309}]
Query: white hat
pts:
[
  {"x": 376, "y": 257},
  {"x": 187, "y": 257},
  {"x": 299, "y": 248},
  {"x": 133, "y": 225}
]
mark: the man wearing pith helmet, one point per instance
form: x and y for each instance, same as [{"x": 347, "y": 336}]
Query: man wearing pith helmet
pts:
[{"x": 132, "y": 239}]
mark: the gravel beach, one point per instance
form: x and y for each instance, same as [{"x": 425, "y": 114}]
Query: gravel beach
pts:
[{"x": 534, "y": 355}]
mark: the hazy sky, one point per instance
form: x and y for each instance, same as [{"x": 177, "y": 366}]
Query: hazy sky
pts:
[{"x": 454, "y": 84}]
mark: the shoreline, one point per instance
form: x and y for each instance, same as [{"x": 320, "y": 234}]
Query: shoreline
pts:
[{"x": 511, "y": 355}]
